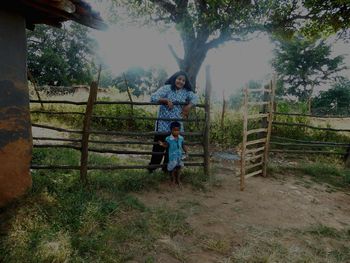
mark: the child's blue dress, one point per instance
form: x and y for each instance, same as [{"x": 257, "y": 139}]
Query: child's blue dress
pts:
[{"x": 175, "y": 151}]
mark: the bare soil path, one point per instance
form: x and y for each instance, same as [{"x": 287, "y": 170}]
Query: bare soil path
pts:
[{"x": 273, "y": 220}]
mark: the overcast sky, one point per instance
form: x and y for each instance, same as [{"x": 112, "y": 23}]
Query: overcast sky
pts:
[{"x": 232, "y": 64}]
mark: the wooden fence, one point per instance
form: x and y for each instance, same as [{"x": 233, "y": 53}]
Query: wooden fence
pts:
[
  {"x": 288, "y": 145},
  {"x": 255, "y": 151},
  {"x": 82, "y": 144}
]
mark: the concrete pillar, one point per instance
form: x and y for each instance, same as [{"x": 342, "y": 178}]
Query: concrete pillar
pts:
[{"x": 15, "y": 126}]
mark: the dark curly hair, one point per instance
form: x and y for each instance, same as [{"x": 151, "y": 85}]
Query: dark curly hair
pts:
[
  {"x": 171, "y": 81},
  {"x": 175, "y": 124}
]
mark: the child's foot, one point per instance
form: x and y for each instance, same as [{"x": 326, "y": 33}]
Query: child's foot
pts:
[
  {"x": 179, "y": 184},
  {"x": 172, "y": 183}
]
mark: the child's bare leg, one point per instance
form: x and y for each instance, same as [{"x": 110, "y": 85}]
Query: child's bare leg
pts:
[
  {"x": 172, "y": 177},
  {"x": 178, "y": 176}
]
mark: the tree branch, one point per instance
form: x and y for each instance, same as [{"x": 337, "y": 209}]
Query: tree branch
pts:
[
  {"x": 166, "y": 6},
  {"x": 178, "y": 60}
]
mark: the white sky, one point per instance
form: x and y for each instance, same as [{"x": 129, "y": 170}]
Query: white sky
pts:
[{"x": 232, "y": 65}]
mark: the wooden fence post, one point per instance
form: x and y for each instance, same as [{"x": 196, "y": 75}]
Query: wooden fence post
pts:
[
  {"x": 223, "y": 115},
  {"x": 86, "y": 132},
  {"x": 244, "y": 141},
  {"x": 207, "y": 121},
  {"x": 32, "y": 80},
  {"x": 269, "y": 127}
]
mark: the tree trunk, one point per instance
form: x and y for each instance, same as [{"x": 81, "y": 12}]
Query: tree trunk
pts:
[
  {"x": 192, "y": 63},
  {"x": 195, "y": 53}
]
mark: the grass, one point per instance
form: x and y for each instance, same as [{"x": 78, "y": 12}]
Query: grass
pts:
[
  {"x": 326, "y": 173},
  {"x": 59, "y": 220},
  {"x": 321, "y": 170},
  {"x": 314, "y": 244}
]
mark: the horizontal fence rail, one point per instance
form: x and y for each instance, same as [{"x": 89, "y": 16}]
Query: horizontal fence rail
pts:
[
  {"x": 122, "y": 117},
  {"x": 305, "y": 141},
  {"x": 309, "y": 126},
  {"x": 110, "y": 151},
  {"x": 110, "y": 167},
  {"x": 57, "y": 113},
  {"x": 49, "y": 127},
  {"x": 114, "y": 133},
  {"x": 305, "y": 151},
  {"x": 108, "y": 142},
  {"x": 312, "y": 115},
  {"x": 310, "y": 144},
  {"x": 109, "y": 103}
]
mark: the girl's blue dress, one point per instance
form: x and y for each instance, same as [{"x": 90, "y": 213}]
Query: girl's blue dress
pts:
[
  {"x": 175, "y": 151},
  {"x": 181, "y": 95}
]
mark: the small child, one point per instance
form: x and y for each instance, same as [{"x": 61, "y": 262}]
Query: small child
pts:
[{"x": 175, "y": 145}]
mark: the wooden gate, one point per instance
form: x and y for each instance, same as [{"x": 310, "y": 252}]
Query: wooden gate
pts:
[{"x": 255, "y": 145}]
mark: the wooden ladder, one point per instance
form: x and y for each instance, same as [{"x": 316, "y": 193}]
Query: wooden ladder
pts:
[{"x": 255, "y": 153}]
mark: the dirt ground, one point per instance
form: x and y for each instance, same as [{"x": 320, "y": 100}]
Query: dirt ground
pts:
[{"x": 233, "y": 226}]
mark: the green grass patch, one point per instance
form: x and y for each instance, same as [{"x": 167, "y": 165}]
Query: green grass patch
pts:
[
  {"x": 326, "y": 173},
  {"x": 321, "y": 170},
  {"x": 59, "y": 220}
]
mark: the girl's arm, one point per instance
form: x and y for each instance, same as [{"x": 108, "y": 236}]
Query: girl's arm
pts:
[
  {"x": 185, "y": 148},
  {"x": 192, "y": 101},
  {"x": 161, "y": 96},
  {"x": 163, "y": 144}
]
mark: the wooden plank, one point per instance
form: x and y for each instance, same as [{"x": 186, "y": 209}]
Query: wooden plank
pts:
[
  {"x": 309, "y": 126},
  {"x": 147, "y": 118},
  {"x": 194, "y": 134},
  {"x": 110, "y": 167},
  {"x": 255, "y": 150},
  {"x": 313, "y": 115},
  {"x": 56, "y": 113},
  {"x": 32, "y": 80},
  {"x": 257, "y": 131},
  {"x": 258, "y": 103},
  {"x": 269, "y": 127},
  {"x": 254, "y": 157},
  {"x": 263, "y": 140},
  {"x": 119, "y": 117},
  {"x": 55, "y": 139},
  {"x": 259, "y": 90},
  {"x": 55, "y": 128},
  {"x": 86, "y": 130},
  {"x": 253, "y": 165},
  {"x": 108, "y": 150},
  {"x": 60, "y": 102},
  {"x": 311, "y": 142},
  {"x": 137, "y": 152},
  {"x": 253, "y": 173},
  {"x": 245, "y": 136},
  {"x": 58, "y": 167},
  {"x": 222, "y": 123},
  {"x": 310, "y": 145},
  {"x": 208, "y": 88},
  {"x": 137, "y": 142},
  {"x": 108, "y": 103},
  {"x": 256, "y": 116},
  {"x": 306, "y": 151},
  {"x": 142, "y": 103},
  {"x": 57, "y": 146}
]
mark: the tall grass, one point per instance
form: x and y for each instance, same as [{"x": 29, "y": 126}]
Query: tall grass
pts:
[{"x": 59, "y": 220}]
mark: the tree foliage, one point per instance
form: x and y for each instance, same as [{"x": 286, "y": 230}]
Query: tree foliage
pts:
[
  {"x": 336, "y": 100},
  {"x": 204, "y": 25},
  {"x": 235, "y": 100},
  {"x": 303, "y": 64},
  {"x": 331, "y": 16},
  {"x": 141, "y": 81},
  {"x": 60, "y": 56}
]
